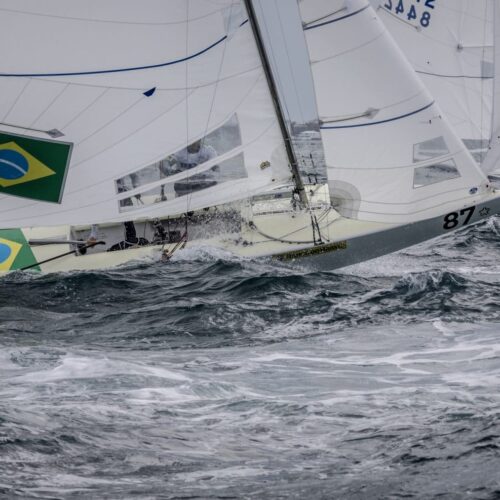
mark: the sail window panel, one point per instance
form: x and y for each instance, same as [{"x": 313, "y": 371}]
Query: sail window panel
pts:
[
  {"x": 432, "y": 174},
  {"x": 430, "y": 149},
  {"x": 228, "y": 170},
  {"x": 478, "y": 148},
  {"x": 209, "y": 147}
]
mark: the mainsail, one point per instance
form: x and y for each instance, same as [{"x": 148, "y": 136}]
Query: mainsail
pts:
[
  {"x": 449, "y": 43},
  {"x": 151, "y": 108},
  {"x": 391, "y": 154}
]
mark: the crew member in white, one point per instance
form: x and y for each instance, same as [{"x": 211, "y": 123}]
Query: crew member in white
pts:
[{"x": 195, "y": 154}]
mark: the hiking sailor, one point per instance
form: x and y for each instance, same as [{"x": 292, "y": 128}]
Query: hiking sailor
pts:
[{"x": 195, "y": 154}]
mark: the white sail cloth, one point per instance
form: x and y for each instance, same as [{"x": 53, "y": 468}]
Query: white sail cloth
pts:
[
  {"x": 391, "y": 155},
  {"x": 492, "y": 160},
  {"x": 449, "y": 43},
  {"x": 129, "y": 83}
]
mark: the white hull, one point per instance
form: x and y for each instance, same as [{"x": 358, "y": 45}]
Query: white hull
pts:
[{"x": 266, "y": 228}]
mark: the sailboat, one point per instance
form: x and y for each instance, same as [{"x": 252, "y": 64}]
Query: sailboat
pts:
[{"x": 133, "y": 131}]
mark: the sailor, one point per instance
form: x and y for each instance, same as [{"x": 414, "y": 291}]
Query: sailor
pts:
[
  {"x": 195, "y": 154},
  {"x": 131, "y": 239},
  {"x": 92, "y": 238}
]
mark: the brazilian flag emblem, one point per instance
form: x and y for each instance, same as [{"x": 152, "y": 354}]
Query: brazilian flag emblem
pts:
[
  {"x": 9, "y": 250},
  {"x": 33, "y": 168},
  {"x": 15, "y": 252}
]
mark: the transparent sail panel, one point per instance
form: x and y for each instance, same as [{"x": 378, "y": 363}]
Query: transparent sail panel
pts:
[
  {"x": 424, "y": 176},
  {"x": 211, "y": 146},
  {"x": 228, "y": 170},
  {"x": 429, "y": 149}
]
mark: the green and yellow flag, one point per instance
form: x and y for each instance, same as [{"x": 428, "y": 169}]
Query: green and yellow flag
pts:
[
  {"x": 33, "y": 168},
  {"x": 15, "y": 252}
]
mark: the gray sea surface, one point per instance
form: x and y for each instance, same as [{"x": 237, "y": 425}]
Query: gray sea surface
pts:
[{"x": 217, "y": 377}]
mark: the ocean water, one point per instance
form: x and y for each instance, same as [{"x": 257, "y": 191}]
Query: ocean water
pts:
[{"x": 216, "y": 377}]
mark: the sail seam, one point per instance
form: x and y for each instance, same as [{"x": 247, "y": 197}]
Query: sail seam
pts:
[
  {"x": 473, "y": 77},
  {"x": 119, "y": 70},
  {"x": 381, "y": 121},
  {"x": 338, "y": 19}
]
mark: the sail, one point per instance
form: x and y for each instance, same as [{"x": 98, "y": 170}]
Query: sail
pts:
[
  {"x": 391, "y": 155},
  {"x": 123, "y": 109},
  {"x": 449, "y": 43},
  {"x": 492, "y": 160}
]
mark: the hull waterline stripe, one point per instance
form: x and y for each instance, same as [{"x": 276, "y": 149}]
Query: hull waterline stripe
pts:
[
  {"x": 382, "y": 121},
  {"x": 338, "y": 19},
  {"x": 118, "y": 70}
]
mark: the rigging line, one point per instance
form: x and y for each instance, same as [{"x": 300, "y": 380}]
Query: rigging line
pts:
[
  {"x": 381, "y": 121},
  {"x": 119, "y": 70},
  {"x": 186, "y": 100},
  {"x": 76, "y": 251},
  {"x": 482, "y": 83},
  {"x": 338, "y": 19},
  {"x": 252, "y": 225}
]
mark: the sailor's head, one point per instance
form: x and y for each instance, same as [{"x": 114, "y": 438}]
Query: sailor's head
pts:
[{"x": 194, "y": 147}]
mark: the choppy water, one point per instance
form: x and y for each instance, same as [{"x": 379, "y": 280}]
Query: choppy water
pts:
[{"x": 213, "y": 377}]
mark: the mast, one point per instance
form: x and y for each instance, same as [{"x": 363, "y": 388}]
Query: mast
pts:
[{"x": 299, "y": 185}]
